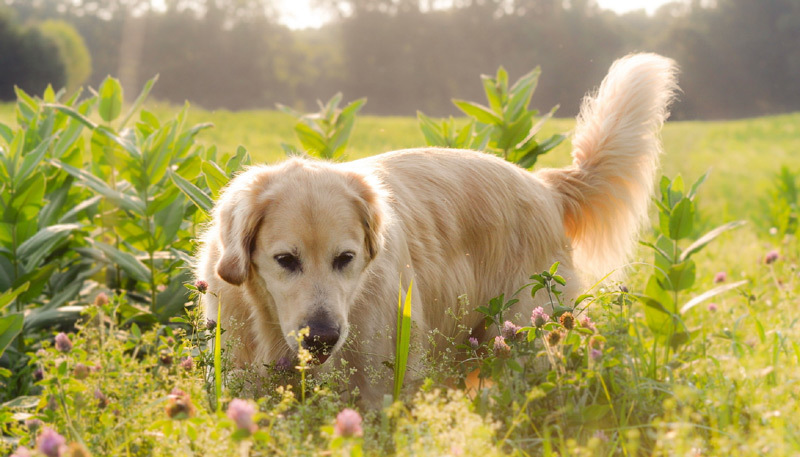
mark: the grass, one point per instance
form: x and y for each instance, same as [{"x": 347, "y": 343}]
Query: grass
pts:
[{"x": 732, "y": 390}]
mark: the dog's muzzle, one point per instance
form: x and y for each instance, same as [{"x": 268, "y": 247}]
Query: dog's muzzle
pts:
[{"x": 321, "y": 339}]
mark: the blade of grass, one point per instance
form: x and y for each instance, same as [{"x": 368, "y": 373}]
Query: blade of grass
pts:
[
  {"x": 218, "y": 358},
  {"x": 403, "y": 338}
]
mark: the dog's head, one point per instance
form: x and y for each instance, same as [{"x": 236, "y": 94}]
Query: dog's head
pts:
[{"x": 305, "y": 231}]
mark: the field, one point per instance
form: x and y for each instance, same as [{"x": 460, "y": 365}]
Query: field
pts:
[{"x": 614, "y": 385}]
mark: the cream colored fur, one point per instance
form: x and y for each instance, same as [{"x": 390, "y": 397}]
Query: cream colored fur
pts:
[{"x": 456, "y": 222}]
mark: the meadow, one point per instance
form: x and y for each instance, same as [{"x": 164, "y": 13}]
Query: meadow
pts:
[{"x": 605, "y": 380}]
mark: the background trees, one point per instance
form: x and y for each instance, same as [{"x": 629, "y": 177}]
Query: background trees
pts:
[{"x": 738, "y": 57}]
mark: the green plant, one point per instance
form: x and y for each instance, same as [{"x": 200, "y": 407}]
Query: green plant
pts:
[
  {"x": 403, "y": 339},
  {"x": 325, "y": 133},
  {"x": 674, "y": 269},
  {"x": 505, "y": 127},
  {"x": 783, "y": 203}
]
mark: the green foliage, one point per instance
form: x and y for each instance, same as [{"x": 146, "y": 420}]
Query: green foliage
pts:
[
  {"x": 674, "y": 268},
  {"x": 324, "y": 134},
  {"x": 72, "y": 50},
  {"x": 403, "y": 339},
  {"x": 783, "y": 203},
  {"x": 506, "y": 127}
]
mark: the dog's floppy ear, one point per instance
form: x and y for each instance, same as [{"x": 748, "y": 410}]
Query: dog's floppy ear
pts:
[
  {"x": 369, "y": 201},
  {"x": 239, "y": 213}
]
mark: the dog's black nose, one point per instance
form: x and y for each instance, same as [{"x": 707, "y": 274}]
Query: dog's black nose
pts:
[{"x": 321, "y": 339}]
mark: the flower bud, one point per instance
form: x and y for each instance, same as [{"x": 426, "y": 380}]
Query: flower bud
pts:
[
  {"x": 509, "y": 331},
  {"x": 165, "y": 358},
  {"x": 586, "y": 322},
  {"x": 241, "y": 412},
  {"x": 187, "y": 364},
  {"x": 348, "y": 424},
  {"x": 179, "y": 405},
  {"x": 771, "y": 257},
  {"x": 211, "y": 325},
  {"x": 201, "y": 286},
  {"x": 33, "y": 424},
  {"x": 539, "y": 317},
  {"x": 501, "y": 349},
  {"x": 720, "y": 277},
  {"x": 49, "y": 442},
  {"x": 101, "y": 299},
  {"x": 473, "y": 342},
  {"x": 102, "y": 399}
]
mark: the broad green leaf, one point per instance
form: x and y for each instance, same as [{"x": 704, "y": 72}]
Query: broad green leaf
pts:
[
  {"x": 67, "y": 138},
  {"x": 130, "y": 264},
  {"x": 681, "y": 276},
  {"x": 39, "y": 246},
  {"x": 697, "y": 184},
  {"x": 709, "y": 237},
  {"x": 110, "y": 94},
  {"x": 681, "y": 220},
  {"x": 197, "y": 196},
  {"x": 311, "y": 140},
  {"x": 492, "y": 94},
  {"x": 479, "y": 112},
  {"x": 239, "y": 160},
  {"x": 126, "y": 201},
  {"x": 10, "y": 326},
  {"x": 33, "y": 159},
  {"x": 6, "y": 133},
  {"x": 9, "y": 295},
  {"x": 215, "y": 177},
  {"x": 430, "y": 130},
  {"x": 521, "y": 93}
]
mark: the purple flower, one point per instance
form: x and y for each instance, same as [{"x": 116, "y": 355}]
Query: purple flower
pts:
[
  {"x": 596, "y": 354},
  {"x": 771, "y": 256},
  {"x": 187, "y": 364},
  {"x": 38, "y": 374},
  {"x": 211, "y": 324},
  {"x": 101, "y": 299},
  {"x": 50, "y": 442},
  {"x": 473, "y": 342},
  {"x": 179, "y": 405},
  {"x": 509, "y": 331},
  {"x": 501, "y": 349},
  {"x": 63, "y": 343},
  {"x": 348, "y": 423},
  {"x": 284, "y": 364},
  {"x": 33, "y": 424},
  {"x": 720, "y": 277},
  {"x": 712, "y": 307},
  {"x": 241, "y": 412},
  {"x": 539, "y": 317},
  {"x": 586, "y": 322},
  {"x": 102, "y": 399},
  {"x": 201, "y": 285}
]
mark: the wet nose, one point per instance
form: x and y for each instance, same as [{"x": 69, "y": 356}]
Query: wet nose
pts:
[{"x": 321, "y": 339}]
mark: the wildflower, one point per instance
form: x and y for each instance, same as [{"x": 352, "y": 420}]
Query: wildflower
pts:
[
  {"x": 211, "y": 324},
  {"x": 596, "y": 354},
  {"x": 52, "y": 403},
  {"x": 165, "y": 358},
  {"x": 712, "y": 307},
  {"x": 501, "y": 349},
  {"x": 539, "y": 317},
  {"x": 509, "y": 331},
  {"x": 473, "y": 342},
  {"x": 38, "y": 374},
  {"x": 720, "y": 277},
  {"x": 567, "y": 320},
  {"x": 101, "y": 299},
  {"x": 586, "y": 322},
  {"x": 102, "y": 399},
  {"x": 96, "y": 368},
  {"x": 187, "y": 364},
  {"x": 41, "y": 353},
  {"x": 595, "y": 343},
  {"x": 22, "y": 451},
  {"x": 50, "y": 442},
  {"x": 241, "y": 412},
  {"x": 80, "y": 371},
  {"x": 348, "y": 423},
  {"x": 601, "y": 436},
  {"x": 773, "y": 231},
  {"x": 554, "y": 337},
  {"x": 771, "y": 257},
  {"x": 624, "y": 289},
  {"x": 201, "y": 285},
  {"x": 179, "y": 405},
  {"x": 33, "y": 424},
  {"x": 63, "y": 343}
]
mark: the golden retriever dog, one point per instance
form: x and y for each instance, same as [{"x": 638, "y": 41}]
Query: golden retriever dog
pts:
[{"x": 328, "y": 246}]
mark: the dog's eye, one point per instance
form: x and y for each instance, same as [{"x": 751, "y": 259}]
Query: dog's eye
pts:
[
  {"x": 289, "y": 262},
  {"x": 342, "y": 260}
]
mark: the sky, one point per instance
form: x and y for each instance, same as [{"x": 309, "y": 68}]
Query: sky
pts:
[{"x": 298, "y": 14}]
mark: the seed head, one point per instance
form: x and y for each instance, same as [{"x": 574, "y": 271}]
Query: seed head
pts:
[
  {"x": 501, "y": 349},
  {"x": 567, "y": 320},
  {"x": 348, "y": 423},
  {"x": 80, "y": 371},
  {"x": 63, "y": 343},
  {"x": 179, "y": 405},
  {"x": 101, "y": 299},
  {"x": 720, "y": 277},
  {"x": 50, "y": 442},
  {"x": 473, "y": 342},
  {"x": 165, "y": 358},
  {"x": 102, "y": 399},
  {"x": 554, "y": 337},
  {"x": 201, "y": 285},
  {"x": 771, "y": 257},
  {"x": 509, "y": 331},
  {"x": 539, "y": 317},
  {"x": 241, "y": 412}
]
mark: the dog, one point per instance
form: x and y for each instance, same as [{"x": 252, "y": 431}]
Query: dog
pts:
[{"x": 329, "y": 246}]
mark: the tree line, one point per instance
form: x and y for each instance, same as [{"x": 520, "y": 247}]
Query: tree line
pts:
[{"x": 738, "y": 57}]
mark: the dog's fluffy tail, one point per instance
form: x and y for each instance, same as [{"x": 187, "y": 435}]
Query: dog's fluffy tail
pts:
[{"x": 606, "y": 191}]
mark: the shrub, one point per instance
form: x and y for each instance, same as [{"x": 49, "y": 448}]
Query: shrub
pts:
[{"x": 72, "y": 49}]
